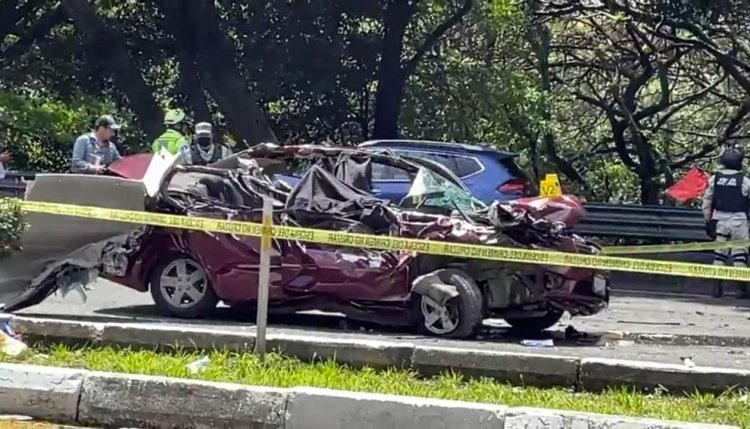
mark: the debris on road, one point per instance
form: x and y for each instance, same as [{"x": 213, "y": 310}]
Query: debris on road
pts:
[
  {"x": 10, "y": 342},
  {"x": 688, "y": 362},
  {"x": 199, "y": 365},
  {"x": 538, "y": 343}
]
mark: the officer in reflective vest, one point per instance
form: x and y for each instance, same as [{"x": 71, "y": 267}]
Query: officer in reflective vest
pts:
[
  {"x": 725, "y": 208},
  {"x": 204, "y": 151},
  {"x": 173, "y": 140}
]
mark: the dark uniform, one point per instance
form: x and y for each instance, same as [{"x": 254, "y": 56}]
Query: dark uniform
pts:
[
  {"x": 203, "y": 157},
  {"x": 204, "y": 151},
  {"x": 726, "y": 205}
]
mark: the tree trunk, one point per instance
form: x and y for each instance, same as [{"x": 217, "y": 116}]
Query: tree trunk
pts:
[
  {"x": 649, "y": 190},
  {"x": 391, "y": 73},
  {"x": 219, "y": 74},
  {"x": 106, "y": 45},
  {"x": 540, "y": 40}
]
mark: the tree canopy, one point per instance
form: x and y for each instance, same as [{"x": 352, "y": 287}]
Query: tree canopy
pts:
[{"x": 618, "y": 96}]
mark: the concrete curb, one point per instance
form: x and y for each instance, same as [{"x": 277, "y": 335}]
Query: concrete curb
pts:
[
  {"x": 543, "y": 370},
  {"x": 126, "y": 400},
  {"x": 43, "y": 392}
]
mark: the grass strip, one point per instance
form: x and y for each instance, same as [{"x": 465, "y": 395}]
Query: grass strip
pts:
[{"x": 281, "y": 371}]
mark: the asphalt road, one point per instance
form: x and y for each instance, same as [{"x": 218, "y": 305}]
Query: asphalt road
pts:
[{"x": 629, "y": 312}]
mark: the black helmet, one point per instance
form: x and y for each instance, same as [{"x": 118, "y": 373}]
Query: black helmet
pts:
[{"x": 732, "y": 159}]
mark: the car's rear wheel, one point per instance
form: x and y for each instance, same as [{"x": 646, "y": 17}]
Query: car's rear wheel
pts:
[
  {"x": 180, "y": 287},
  {"x": 535, "y": 324},
  {"x": 460, "y": 316}
]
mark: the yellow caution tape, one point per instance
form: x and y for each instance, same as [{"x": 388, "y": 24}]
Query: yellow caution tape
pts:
[{"x": 540, "y": 257}]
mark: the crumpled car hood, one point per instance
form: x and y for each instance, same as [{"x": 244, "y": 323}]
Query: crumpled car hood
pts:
[{"x": 63, "y": 252}]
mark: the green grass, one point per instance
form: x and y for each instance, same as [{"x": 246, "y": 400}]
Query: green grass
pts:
[{"x": 280, "y": 371}]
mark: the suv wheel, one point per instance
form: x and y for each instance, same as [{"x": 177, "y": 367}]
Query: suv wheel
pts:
[
  {"x": 180, "y": 287},
  {"x": 460, "y": 316}
]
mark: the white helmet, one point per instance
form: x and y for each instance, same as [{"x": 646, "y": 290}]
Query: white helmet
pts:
[{"x": 203, "y": 129}]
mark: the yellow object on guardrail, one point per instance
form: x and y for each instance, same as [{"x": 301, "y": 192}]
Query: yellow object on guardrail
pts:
[
  {"x": 550, "y": 186},
  {"x": 539, "y": 257}
]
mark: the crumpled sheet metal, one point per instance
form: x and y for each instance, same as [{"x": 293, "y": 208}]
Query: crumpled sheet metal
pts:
[
  {"x": 65, "y": 251},
  {"x": 58, "y": 250}
]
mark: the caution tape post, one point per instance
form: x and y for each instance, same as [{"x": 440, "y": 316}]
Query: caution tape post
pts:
[
  {"x": 264, "y": 278},
  {"x": 459, "y": 250}
]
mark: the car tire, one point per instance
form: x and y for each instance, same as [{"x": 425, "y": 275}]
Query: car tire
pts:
[
  {"x": 181, "y": 288},
  {"x": 535, "y": 324},
  {"x": 464, "y": 311}
]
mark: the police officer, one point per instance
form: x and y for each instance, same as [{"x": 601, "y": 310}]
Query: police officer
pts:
[
  {"x": 173, "y": 140},
  {"x": 725, "y": 208},
  {"x": 204, "y": 151}
]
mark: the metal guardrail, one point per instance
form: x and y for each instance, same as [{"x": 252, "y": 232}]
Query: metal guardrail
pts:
[
  {"x": 14, "y": 183},
  {"x": 653, "y": 223},
  {"x": 628, "y": 221}
]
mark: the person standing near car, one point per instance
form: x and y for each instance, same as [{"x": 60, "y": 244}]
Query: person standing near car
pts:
[
  {"x": 173, "y": 140},
  {"x": 204, "y": 150},
  {"x": 94, "y": 152},
  {"x": 726, "y": 203}
]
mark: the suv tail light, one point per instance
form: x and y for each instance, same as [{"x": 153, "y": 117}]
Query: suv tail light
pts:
[{"x": 513, "y": 186}]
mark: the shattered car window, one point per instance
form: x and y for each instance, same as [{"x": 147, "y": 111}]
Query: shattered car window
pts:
[{"x": 432, "y": 190}]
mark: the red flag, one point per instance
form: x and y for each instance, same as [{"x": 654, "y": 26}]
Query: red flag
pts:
[{"x": 691, "y": 186}]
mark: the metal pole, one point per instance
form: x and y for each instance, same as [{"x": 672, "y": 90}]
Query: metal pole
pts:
[{"x": 264, "y": 275}]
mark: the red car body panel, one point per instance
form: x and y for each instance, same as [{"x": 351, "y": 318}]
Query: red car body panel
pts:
[{"x": 324, "y": 277}]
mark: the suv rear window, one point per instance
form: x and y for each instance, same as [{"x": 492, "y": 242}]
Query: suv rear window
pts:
[
  {"x": 461, "y": 166},
  {"x": 466, "y": 166},
  {"x": 389, "y": 172}
]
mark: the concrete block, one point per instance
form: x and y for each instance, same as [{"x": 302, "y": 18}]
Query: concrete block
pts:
[
  {"x": 155, "y": 335},
  {"x": 352, "y": 351},
  {"x": 518, "y": 368},
  {"x": 44, "y": 393},
  {"x": 538, "y": 418},
  {"x": 329, "y": 409},
  {"x": 598, "y": 374},
  {"x": 127, "y": 400},
  {"x": 58, "y": 329}
]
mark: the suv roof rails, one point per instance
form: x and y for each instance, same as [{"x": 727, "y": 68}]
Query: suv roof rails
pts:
[{"x": 454, "y": 145}]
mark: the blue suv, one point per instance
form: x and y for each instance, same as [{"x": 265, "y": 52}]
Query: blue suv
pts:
[{"x": 489, "y": 174}]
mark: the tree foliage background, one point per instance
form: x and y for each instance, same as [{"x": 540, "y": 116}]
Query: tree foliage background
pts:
[{"x": 620, "y": 97}]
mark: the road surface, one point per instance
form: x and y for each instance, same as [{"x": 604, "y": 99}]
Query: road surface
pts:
[{"x": 629, "y": 312}]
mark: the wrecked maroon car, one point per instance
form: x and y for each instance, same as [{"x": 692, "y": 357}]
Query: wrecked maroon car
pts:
[{"x": 189, "y": 272}]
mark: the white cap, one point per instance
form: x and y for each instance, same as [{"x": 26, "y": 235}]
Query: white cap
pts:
[{"x": 203, "y": 129}]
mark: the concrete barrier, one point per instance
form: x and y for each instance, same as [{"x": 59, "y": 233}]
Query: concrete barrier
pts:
[
  {"x": 518, "y": 368},
  {"x": 45, "y": 393},
  {"x": 158, "y": 335},
  {"x": 59, "y": 329},
  {"x": 127, "y": 400},
  {"x": 352, "y": 351},
  {"x": 525, "y": 418},
  {"x": 597, "y": 374},
  {"x": 331, "y": 409}
]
